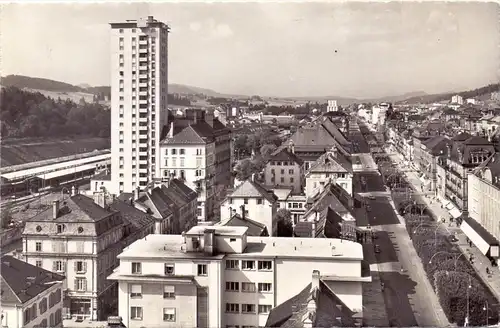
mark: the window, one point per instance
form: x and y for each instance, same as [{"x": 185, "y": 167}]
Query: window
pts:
[
  {"x": 136, "y": 268},
  {"x": 136, "y": 291},
  {"x": 169, "y": 314},
  {"x": 81, "y": 284},
  {"x": 58, "y": 266},
  {"x": 168, "y": 291},
  {"x": 136, "y": 313},
  {"x": 232, "y": 264},
  {"x": 182, "y": 151},
  {"x": 290, "y": 171},
  {"x": 248, "y": 265},
  {"x": 291, "y": 180},
  {"x": 174, "y": 151},
  {"x": 38, "y": 246},
  {"x": 38, "y": 263},
  {"x": 265, "y": 287},
  {"x": 260, "y": 201},
  {"x": 182, "y": 161},
  {"x": 202, "y": 270},
  {"x": 248, "y": 287},
  {"x": 60, "y": 228},
  {"x": 232, "y": 286},
  {"x": 264, "y": 308},
  {"x": 265, "y": 265},
  {"x": 169, "y": 269},
  {"x": 121, "y": 31},
  {"x": 42, "y": 306},
  {"x": 247, "y": 308},
  {"x": 232, "y": 308}
]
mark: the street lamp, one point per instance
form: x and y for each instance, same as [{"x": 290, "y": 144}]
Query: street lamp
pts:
[
  {"x": 486, "y": 308},
  {"x": 440, "y": 252}
]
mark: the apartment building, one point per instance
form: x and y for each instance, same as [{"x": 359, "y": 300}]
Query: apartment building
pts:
[
  {"x": 331, "y": 166},
  {"x": 284, "y": 169},
  {"x": 80, "y": 237},
  {"x": 481, "y": 227},
  {"x": 220, "y": 277},
  {"x": 31, "y": 296},
  {"x": 139, "y": 92},
  {"x": 255, "y": 202},
  {"x": 421, "y": 135},
  {"x": 457, "y": 99},
  {"x": 197, "y": 151},
  {"x": 432, "y": 149},
  {"x": 464, "y": 154}
]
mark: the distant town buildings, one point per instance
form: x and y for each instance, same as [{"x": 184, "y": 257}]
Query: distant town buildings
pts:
[
  {"x": 139, "y": 92},
  {"x": 457, "y": 99},
  {"x": 221, "y": 277},
  {"x": 332, "y": 106}
]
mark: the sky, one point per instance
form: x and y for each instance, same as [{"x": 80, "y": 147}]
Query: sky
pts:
[{"x": 344, "y": 49}]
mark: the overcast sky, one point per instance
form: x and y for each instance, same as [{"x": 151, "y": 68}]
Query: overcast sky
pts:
[{"x": 296, "y": 49}]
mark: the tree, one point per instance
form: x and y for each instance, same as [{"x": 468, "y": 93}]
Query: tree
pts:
[
  {"x": 267, "y": 150},
  {"x": 6, "y": 216},
  {"x": 284, "y": 223},
  {"x": 244, "y": 169}
]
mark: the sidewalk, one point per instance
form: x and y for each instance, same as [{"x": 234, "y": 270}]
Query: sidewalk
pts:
[{"x": 480, "y": 262}]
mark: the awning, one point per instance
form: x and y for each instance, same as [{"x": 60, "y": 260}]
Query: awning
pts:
[
  {"x": 480, "y": 237},
  {"x": 455, "y": 212}
]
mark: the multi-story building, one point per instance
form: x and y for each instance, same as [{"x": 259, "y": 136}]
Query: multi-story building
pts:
[
  {"x": 284, "y": 169},
  {"x": 31, "y": 296},
  {"x": 332, "y": 106},
  {"x": 331, "y": 166},
  {"x": 457, "y": 99},
  {"x": 79, "y": 238},
  {"x": 481, "y": 227},
  {"x": 464, "y": 154},
  {"x": 255, "y": 202},
  {"x": 422, "y": 134},
  {"x": 139, "y": 92},
  {"x": 197, "y": 150},
  {"x": 378, "y": 114},
  {"x": 220, "y": 277},
  {"x": 431, "y": 150}
]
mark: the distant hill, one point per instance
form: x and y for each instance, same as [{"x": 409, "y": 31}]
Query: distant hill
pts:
[{"x": 482, "y": 93}]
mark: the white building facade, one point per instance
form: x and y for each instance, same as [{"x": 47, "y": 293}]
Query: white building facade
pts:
[
  {"x": 139, "y": 91},
  {"x": 219, "y": 277}
]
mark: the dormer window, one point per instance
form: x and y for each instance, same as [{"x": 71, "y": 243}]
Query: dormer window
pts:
[
  {"x": 60, "y": 228},
  {"x": 169, "y": 269}
]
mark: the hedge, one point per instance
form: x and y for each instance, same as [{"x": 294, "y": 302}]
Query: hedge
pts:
[
  {"x": 452, "y": 293},
  {"x": 449, "y": 281}
]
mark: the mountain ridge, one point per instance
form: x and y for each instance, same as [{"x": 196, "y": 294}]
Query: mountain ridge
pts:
[{"x": 36, "y": 83}]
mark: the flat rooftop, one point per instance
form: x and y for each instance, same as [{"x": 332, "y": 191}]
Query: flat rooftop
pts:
[
  {"x": 170, "y": 246},
  {"x": 219, "y": 230}
]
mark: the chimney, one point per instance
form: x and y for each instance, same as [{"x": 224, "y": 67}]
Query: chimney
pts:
[
  {"x": 242, "y": 211},
  {"x": 100, "y": 199},
  {"x": 315, "y": 280},
  {"x": 209, "y": 118},
  {"x": 73, "y": 191},
  {"x": 230, "y": 212},
  {"x": 171, "y": 130},
  {"x": 333, "y": 151},
  {"x": 136, "y": 194},
  {"x": 55, "y": 209},
  {"x": 209, "y": 241},
  {"x": 253, "y": 177}
]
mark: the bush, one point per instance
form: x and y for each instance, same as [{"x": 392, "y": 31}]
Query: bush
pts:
[{"x": 452, "y": 288}]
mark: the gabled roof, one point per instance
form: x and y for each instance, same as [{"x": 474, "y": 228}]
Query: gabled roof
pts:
[
  {"x": 252, "y": 189},
  {"x": 330, "y": 163},
  {"x": 194, "y": 134},
  {"x": 461, "y": 137},
  {"x": 285, "y": 155},
  {"x": 22, "y": 281},
  {"x": 476, "y": 140},
  {"x": 138, "y": 219},
  {"x": 329, "y": 307},
  {"x": 255, "y": 228}
]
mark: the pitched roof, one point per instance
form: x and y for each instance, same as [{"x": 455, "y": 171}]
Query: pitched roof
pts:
[
  {"x": 195, "y": 134},
  {"x": 285, "y": 155},
  {"x": 138, "y": 219},
  {"x": 476, "y": 140},
  {"x": 461, "y": 137},
  {"x": 252, "y": 189},
  {"x": 255, "y": 228},
  {"x": 331, "y": 162},
  {"x": 22, "y": 281},
  {"x": 329, "y": 307},
  {"x": 303, "y": 229}
]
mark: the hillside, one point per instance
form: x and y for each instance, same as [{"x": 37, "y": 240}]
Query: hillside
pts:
[{"x": 482, "y": 93}]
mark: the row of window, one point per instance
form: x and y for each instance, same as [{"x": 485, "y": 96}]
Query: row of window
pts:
[
  {"x": 259, "y": 201},
  {"x": 60, "y": 266},
  {"x": 249, "y": 287},
  {"x": 169, "y": 269},
  {"x": 31, "y": 314},
  {"x": 249, "y": 265},
  {"x": 282, "y": 180},
  {"x": 281, "y": 163},
  {"x": 169, "y": 314},
  {"x": 168, "y": 291},
  {"x": 248, "y": 308},
  {"x": 60, "y": 246},
  {"x": 282, "y": 171}
]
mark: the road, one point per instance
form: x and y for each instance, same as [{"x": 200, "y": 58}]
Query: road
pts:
[{"x": 409, "y": 297}]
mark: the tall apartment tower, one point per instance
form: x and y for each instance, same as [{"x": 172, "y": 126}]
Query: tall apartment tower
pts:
[{"x": 139, "y": 92}]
